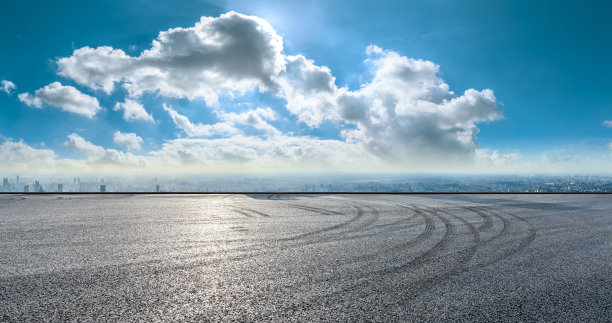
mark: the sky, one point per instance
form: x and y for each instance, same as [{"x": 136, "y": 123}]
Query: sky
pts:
[{"x": 274, "y": 86}]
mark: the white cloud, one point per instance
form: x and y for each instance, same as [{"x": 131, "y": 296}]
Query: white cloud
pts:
[
  {"x": 608, "y": 123},
  {"x": 310, "y": 90},
  {"x": 129, "y": 140},
  {"x": 66, "y": 98},
  {"x": 7, "y": 86},
  {"x": 495, "y": 158},
  {"x": 256, "y": 118},
  {"x": 406, "y": 112},
  {"x": 259, "y": 154},
  {"x": 101, "y": 156},
  {"x": 231, "y": 53},
  {"x": 133, "y": 110},
  {"x": 198, "y": 129},
  {"x": 20, "y": 154}
]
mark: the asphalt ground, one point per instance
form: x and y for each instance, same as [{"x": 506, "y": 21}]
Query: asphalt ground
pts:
[{"x": 306, "y": 258}]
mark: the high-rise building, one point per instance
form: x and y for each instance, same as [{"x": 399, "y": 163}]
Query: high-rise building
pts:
[
  {"x": 157, "y": 188},
  {"x": 26, "y": 188},
  {"x": 102, "y": 188},
  {"x": 37, "y": 187},
  {"x": 6, "y": 187},
  {"x": 60, "y": 188}
]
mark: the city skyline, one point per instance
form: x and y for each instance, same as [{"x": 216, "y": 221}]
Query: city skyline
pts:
[
  {"x": 311, "y": 183},
  {"x": 235, "y": 87}
]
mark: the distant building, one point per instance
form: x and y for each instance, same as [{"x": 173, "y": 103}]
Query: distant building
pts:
[
  {"x": 157, "y": 188},
  {"x": 37, "y": 187},
  {"x": 102, "y": 188},
  {"x": 26, "y": 188},
  {"x": 60, "y": 188}
]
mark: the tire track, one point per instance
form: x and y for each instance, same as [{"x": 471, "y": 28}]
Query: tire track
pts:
[
  {"x": 421, "y": 237},
  {"x": 413, "y": 288},
  {"x": 246, "y": 210},
  {"x": 357, "y": 217},
  {"x": 318, "y": 210},
  {"x": 242, "y": 212},
  {"x": 523, "y": 242}
]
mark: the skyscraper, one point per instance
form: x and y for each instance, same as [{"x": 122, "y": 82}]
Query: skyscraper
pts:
[
  {"x": 102, "y": 188},
  {"x": 37, "y": 187}
]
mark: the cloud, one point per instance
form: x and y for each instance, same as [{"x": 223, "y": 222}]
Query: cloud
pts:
[
  {"x": 133, "y": 110},
  {"x": 259, "y": 154},
  {"x": 100, "y": 156},
  {"x": 129, "y": 140},
  {"x": 255, "y": 118},
  {"x": 495, "y": 158},
  {"x": 198, "y": 129},
  {"x": 608, "y": 123},
  {"x": 7, "y": 86},
  {"x": 19, "y": 154},
  {"x": 310, "y": 91},
  {"x": 231, "y": 53},
  {"x": 407, "y": 112},
  {"x": 66, "y": 98}
]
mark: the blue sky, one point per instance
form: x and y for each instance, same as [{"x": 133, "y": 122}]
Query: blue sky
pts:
[{"x": 547, "y": 63}]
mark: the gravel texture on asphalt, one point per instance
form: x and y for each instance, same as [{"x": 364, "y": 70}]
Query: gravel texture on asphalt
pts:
[{"x": 306, "y": 258}]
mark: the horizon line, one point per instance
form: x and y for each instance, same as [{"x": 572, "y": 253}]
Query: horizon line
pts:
[{"x": 290, "y": 193}]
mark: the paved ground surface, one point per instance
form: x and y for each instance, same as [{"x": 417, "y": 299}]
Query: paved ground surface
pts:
[{"x": 306, "y": 258}]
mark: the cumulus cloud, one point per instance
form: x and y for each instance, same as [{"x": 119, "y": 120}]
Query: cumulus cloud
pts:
[
  {"x": 199, "y": 129},
  {"x": 608, "y": 123},
  {"x": 132, "y": 110},
  {"x": 406, "y": 112},
  {"x": 231, "y": 53},
  {"x": 20, "y": 154},
  {"x": 7, "y": 86},
  {"x": 256, "y": 118},
  {"x": 66, "y": 98},
  {"x": 129, "y": 140},
  {"x": 310, "y": 91},
  {"x": 99, "y": 155},
  {"x": 495, "y": 158}
]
